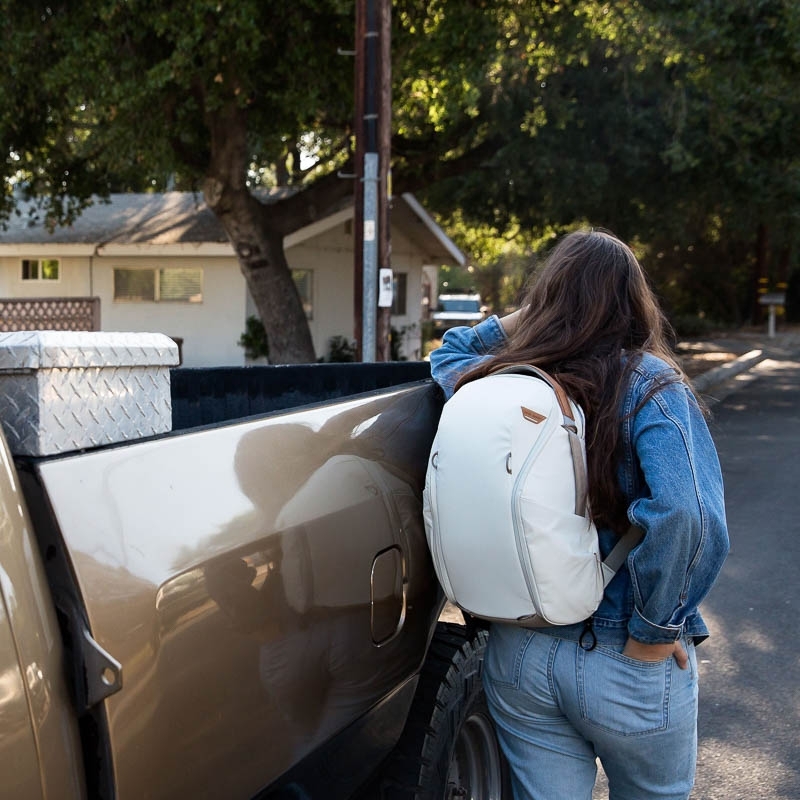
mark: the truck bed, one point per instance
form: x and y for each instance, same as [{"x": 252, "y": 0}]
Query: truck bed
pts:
[
  {"x": 221, "y": 394},
  {"x": 247, "y": 591}
]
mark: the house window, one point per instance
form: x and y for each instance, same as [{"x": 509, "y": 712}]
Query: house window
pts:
[
  {"x": 303, "y": 280},
  {"x": 41, "y": 269},
  {"x": 399, "y": 291},
  {"x": 171, "y": 285}
]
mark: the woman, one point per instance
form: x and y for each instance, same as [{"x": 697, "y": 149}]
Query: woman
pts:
[{"x": 621, "y": 687}]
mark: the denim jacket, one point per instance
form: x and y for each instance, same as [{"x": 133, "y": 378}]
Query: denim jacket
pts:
[{"x": 671, "y": 478}]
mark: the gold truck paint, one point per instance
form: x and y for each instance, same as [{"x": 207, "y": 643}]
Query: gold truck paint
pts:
[
  {"x": 262, "y": 584},
  {"x": 39, "y": 746}
]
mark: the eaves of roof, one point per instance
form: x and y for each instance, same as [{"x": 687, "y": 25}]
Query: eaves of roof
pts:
[{"x": 180, "y": 223}]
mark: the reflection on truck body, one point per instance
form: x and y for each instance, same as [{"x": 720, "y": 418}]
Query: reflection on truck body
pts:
[{"x": 231, "y": 572}]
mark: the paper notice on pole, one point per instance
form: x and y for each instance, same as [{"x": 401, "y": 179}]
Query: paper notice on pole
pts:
[
  {"x": 369, "y": 230},
  {"x": 385, "y": 288}
]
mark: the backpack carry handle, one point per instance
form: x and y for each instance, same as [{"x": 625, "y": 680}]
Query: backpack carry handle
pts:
[
  {"x": 570, "y": 425},
  {"x": 561, "y": 395}
]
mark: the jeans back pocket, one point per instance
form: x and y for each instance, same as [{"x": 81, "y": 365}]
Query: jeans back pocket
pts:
[{"x": 623, "y": 695}]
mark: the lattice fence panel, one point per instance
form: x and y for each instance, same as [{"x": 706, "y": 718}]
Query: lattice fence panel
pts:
[{"x": 50, "y": 314}]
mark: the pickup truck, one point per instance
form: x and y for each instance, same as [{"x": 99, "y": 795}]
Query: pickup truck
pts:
[{"x": 240, "y": 606}]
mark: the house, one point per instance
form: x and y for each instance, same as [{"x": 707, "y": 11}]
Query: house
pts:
[{"x": 162, "y": 263}]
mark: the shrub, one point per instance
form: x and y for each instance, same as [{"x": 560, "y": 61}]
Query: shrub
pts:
[
  {"x": 341, "y": 350},
  {"x": 691, "y": 325},
  {"x": 254, "y": 339}
]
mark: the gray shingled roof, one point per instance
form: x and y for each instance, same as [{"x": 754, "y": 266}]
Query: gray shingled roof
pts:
[
  {"x": 168, "y": 218},
  {"x": 184, "y": 218}
]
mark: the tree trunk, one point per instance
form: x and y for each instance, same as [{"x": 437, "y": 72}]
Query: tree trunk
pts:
[
  {"x": 782, "y": 278},
  {"x": 262, "y": 259},
  {"x": 256, "y": 231}
]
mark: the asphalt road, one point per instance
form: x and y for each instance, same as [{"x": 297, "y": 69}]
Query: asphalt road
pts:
[
  {"x": 749, "y": 721},
  {"x": 750, "y": 667}
]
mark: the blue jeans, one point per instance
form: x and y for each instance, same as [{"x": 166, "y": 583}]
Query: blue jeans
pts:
[{"x": 558, "y": 707}]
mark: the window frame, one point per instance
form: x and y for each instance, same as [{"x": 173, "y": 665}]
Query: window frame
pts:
[
  {"x": 39, "y": 264},
  {"x": 157, "y": 278},
  {"x": 307, "y": 303}
]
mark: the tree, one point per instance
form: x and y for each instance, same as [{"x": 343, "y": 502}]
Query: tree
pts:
[
  {"x": 228, "y": 98},
  {"x": 567, "y": 107},
  {"x": 675, "y": 124},
  {"x": 741, "y": 136},
  {"x": 212, "y": 94}
]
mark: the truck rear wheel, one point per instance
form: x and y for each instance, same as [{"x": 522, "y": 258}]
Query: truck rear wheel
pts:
[{"x": 449, "y": 748}]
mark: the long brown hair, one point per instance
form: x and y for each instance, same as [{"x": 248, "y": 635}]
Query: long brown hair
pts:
[{"x": 587, "y": 307}]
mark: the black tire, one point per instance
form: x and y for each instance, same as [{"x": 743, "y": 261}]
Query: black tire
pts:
[{"x": 449, "y": 749}]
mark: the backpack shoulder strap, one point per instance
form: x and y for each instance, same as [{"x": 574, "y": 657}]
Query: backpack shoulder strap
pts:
[{"x": 529, "y": 369}]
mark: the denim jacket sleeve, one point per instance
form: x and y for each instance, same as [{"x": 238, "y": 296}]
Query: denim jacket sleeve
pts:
[
  {"x": 676, "y": 480},
  {"x": 464, "y": 348}
]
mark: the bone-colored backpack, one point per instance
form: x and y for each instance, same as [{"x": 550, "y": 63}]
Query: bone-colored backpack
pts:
[{"x": 505, "y": 503}]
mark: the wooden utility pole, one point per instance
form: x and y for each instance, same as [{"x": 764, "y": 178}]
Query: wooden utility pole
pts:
[
  {"x": 384, "y": 167},
  {"x": 358, "y": 212},
  {"x": 373, "y": 144}
]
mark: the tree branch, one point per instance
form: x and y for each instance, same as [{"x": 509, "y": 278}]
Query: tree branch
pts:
[
  {"x": 309, "y": 205},
  {"x": 427, "y": 171}
]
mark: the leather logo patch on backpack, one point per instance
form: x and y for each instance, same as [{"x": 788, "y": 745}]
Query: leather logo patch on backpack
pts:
[{"x": 532, "y": 416}]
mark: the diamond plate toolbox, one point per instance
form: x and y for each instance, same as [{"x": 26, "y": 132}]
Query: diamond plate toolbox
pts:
[{"x": 67, "y": 390}]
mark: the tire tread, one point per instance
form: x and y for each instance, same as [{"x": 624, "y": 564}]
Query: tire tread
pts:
[{"x": 447, "y": 681}]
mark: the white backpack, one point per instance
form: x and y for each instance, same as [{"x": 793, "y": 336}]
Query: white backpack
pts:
[{"x": 505, "y": 503}]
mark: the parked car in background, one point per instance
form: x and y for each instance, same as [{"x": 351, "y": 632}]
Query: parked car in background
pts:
[{"x": 457, "y": 309}]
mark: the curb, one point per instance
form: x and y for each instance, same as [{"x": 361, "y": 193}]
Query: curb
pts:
[{"x": 714, "y": 377}]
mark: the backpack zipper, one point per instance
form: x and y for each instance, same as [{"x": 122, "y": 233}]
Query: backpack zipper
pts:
[
  {"x": 436, "y": 551},
  {"x": 545, "y": 433}
]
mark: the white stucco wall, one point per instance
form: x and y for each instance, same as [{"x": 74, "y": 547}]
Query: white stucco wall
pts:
[
  {"x": 73, "y": 278},
  {"x": 210, "y": 330},
  {"x": 330, "y": 257},
  {"x": 407, "y": 258}
]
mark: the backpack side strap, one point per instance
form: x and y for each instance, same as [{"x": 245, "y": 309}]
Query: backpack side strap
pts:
[{"x": 616, "y": 558}]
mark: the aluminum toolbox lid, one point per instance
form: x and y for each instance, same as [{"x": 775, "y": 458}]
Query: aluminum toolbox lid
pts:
[{"x": 68, "y": 349}]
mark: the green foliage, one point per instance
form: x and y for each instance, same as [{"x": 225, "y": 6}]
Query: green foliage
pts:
[
  {"x": 396, "y": 345},
  {"x": 674, "y": 124},
  {"x": 254, "y": 339},
  {"x": 426, "y": 332},
  {"x": 397, "y": 339},
  {"x": 501, "y": 260},
  {"x": 691, "y": 325},
  {"x": 102, "y": 95},
  {"x": 341, "y": 350},
  {"x": 455, "y": 279}
]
